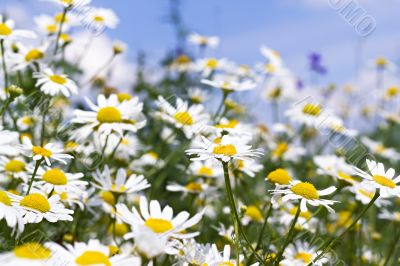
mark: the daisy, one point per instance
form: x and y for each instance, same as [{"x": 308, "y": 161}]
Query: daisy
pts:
[
  {"x": 26, "y": 56},
  {"x": 301, "y": 253},
  {"x": 35, "y": 207},
  {"x": 10, "y": 213},
  {"x": 9, "y": 142},
  {"x": 233, "y": 127},
  {"x": 252, "y": 213},
  {"x": 225, "y": 258},
  {"x": 203, "y": 41},
  {"x": 192, "y": 253},
  {"x": 48, "y": 25},
  {"x": 250, "y": 168},
  {"x": 122, "y": 183},
  {"x": 70, "y": 3},
  {"x": 181, "y": 63},
  {"x": 378, "y": 148},
  {"x": 53, "y": 84},
  {"x": 13, "y": 168},
  {"x": 274, "y": 61},
  {"x": 49, "y": 179},
  {"x": 160, "y": 221},
  {"x": 306, "y": 193},
  {"x": 378, "y": 178},
  {"x": 110, "y": 115},
  {"x": 209, "y": 169},
  {"x": 149, "y": 158},
  {"x": 7, "y": 31},
  {"x": 49, "y": 151},
  {"x": 30, "y": 253},
  {"x": 279, "y": 177},
  {"x": 207, "y": 66},
  {"x": 92, "y": 253},
  {"x": 225, "y": 149},
  {"x": 26, "y": 122},
  {"x": 101, "y": 18},
  {"x": 230, "y": 85},
  {"x": 280, "y": 87},
  {"x": 286, "y": 151},
  {"x": 197, "y": 187},
  {"x": 191, "y": 119},
  {"x": 197, "y": 95},
  {"x": 305, "y": 220},
  {"x": 365, "y": 194},
  {"x": 335, "y": 167},
  {"x": 310, "y": 114},
  {"x": 388, "y": 215}
]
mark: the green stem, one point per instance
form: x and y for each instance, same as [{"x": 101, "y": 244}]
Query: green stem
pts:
[
  {"x": 288, "y": 237},
  {"x": 392, "y": 246},
  {"x": 34, "y": 175},
  {"x": 260, "y": 237},
  {"x": 235, "y": 215},
  {"x": 60, "y": 29},
  {"x": 3, "y": 60},
  {"x": 328, "y": 244},
  {"x": 224, "y": 96}
]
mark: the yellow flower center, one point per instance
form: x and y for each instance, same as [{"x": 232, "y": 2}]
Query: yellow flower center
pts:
[
  {"x": 312, "y": 109},
  {"x": 205, "y": 171},
  {"x": 227, "y": 150},
  {"x": 5, "y": 30},
  {"x": 306, "y": 257},
  {"x": 305, "y": 215},
  {"x": 153, "y": 155},
  {"x": 120, "y": 229},
  {"x": 108, "y": 197},
  {"x": 118, "y": 188},
  {"x": 14, "y": 166},
  {"x": 32, "y": 251},
  {"x": 109, "y": 115},
  {"x": 4, "y": 198},
  {"x": 65, "y": 37},
  {"x": 269, "y": 68},
  {"x": 58, "y": 79},
  {"x": 51, "y": 28},
  {"x": 113, "y": 250},
  {"x": 230, "y": 124},
  {"x": 59, "y": 18},
  {"x": 254, "y": 213},
  {"x": 384, "y": 181},
  {"x": 366, "y": 193},
  {"x": 226, "y": 263},
  {"x": 37, "y": 150},
  {"x": 158, "y": 225},
  {"x": 123, "y": 97},
  {"x": 195, "y": 187},
  {"x": 392, "y": 92},
  {"x": 212, "y": 63},
  {"x": 381, "y": 62},
  {"x": 279, "y": 176},
  {"x": 33, "y": 55},
  {"x": 306, "y": 190},
  {"x": 93, "y": 258},
  {"x": 183, "y": 59},
  {"x": 184, "y": 118},
  {"x": 27, "y": 120},
  {"x": 240, "y": 164},
  {"x": 37, "y": 202},
  {"x": 98, "y": 18},
  {"x": 380, "y": 148},
  {"x": 275, "y": 93},
  {"x": 280, "y": 149},
  {"x": 64, "y": 196},
  {"x": 346, "y": 177},
  {"x": 55, "y": 176}
]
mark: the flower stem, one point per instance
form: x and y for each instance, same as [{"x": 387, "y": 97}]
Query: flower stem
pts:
[
  {"x": 288, "y": 237},
  {"x": 392, "y": 247},
  {"x": 235, "y": 215},
  {"x": 328, "y": 244},
  {"x": 3, "y": 60},
  {"x": 34, "y": 175},
  {"x": 218, "y": 112},
  {"x": 60, "y": 29}
]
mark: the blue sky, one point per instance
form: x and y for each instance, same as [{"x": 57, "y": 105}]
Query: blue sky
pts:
[{"x": 293, "y": 27}]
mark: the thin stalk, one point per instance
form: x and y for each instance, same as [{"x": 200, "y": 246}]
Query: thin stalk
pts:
[
  {"x": 260, "y": 237},
  {"x": 3, "y": 61},
  {"x": 235, "y": 214},
  {"x": 34, "y": 175},
  {"x": 224, "y": 96},
  {"x": 289, "y": 236},
  {"x": 392, "y": 247},
  {"x": 328, "y": 244},
  {"x": 60, "y": 29},
  {"x": 101, "y": 69}
]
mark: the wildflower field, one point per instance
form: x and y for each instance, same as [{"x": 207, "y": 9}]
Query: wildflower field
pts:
[{"x": 179, "y": 168}]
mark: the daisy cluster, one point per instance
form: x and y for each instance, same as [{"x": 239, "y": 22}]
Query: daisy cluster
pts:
[{"x": 182, "y": 167}]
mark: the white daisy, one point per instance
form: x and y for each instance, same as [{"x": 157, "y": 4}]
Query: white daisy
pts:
[
  {"x": 49, "y": 151},
  {"x": 250, "y": 168},
  {"x": 389, "y": 215},
  {"x": 70, "y": 3},
  {"x": 301, "y": 253},
  {"x": 101, "y": 18},
  {"x": 9, "y": 141},
  {"x": 30, "y": 253},
  {"x": 26, "y": 56},
  {"x": 380, "y": 149},
  {"x": 13, "y": 167},
  {"x": 335, "y": 167},
  {"x": 92, "y": 253},
  {"x": 35, "y": 207},
  {"x": 7, "y": 31},
  {"x": 195, "y": 187},
  {"x": 378, "y": 178},
  {"x": 122, "y": 183},
  {"x": 191, "y": 119},
  {"x": 225, "y": 148},
  {"x": 197, "y": 95},
  {"x": 365, "y": 194},
  {"x": 207, "y": 66},
  {"x": 160, "y": 221},
  {"x": 209, "y": 169},
  {"x": 230, "y": 85},
  {"x": 110, "y": 115},
  {"x": 306, "y": 193},
  {"x": 274, "y": 61},
  {"x": 310, "y": 114},
  {"x": 201, "y": 40},
  {"x": 9, "y": 213},
  {"x": 47, "y": 25},
  {"x": 53, "y": 84}
]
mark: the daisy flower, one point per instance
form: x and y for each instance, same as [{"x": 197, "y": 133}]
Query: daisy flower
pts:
[
  {"x": 54, "y": 178},
  {"x": 209, "y": 169},
  {"x": 305, "y": 220},
  {"x": 182, "y": 63},
  {"x": 110, "y": 115},
  {"x": 160, "y": 221},
  {"x": 233, "y": 127},
  {"x": 336, "y": 167},
  {"x": 92, "y": 253},
  {"x": 301, "y": 253},
  {"x": 191, "y": 119},
  {"x": 279, "y": 177},
  {"x": 35, "y": 207},
  {"x": 201, "y": 40},
  {"x": 378, "y": 148},
  {"x": 26, "y": 122},
  {"x": 53, "y": 84},
  {"x": 286, "y": 151},
  {"x": 252, "y": 213},
  {"x": 306, "y": 193},
  {"x": 9, "y": 142},
  {"x": 197, "y": 187},
  {"x": 230, "y": 85},
  {"x": 310, "y": 114},
  {"x": 14, "y": 168},
  {"x": 378, "y": 178},
  {"x": 70, "y": 3},
  {"x": 250, "y": 168},
  {"x": 274, "y": 61},
  {"x": 26, "y": 56},
  {"x": 122, "y": 183},
  {"x": 365, "y": 194},
  {"x": 48, "y": 25},
  {"x": 30, "y": 253},
  {"x": 225, "y": 149},
  {"x": 49, "y": 151},
  {"x": 225, "y": 258},
  {"x": 10, "y": 213},
  {"x": 388, "y": 215},
  {"x": 101, "y": 18},
  {"x": 209, "y": 65},
  {"x": 7, "y": 31},
  {"x": 197, "y": 95}
]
